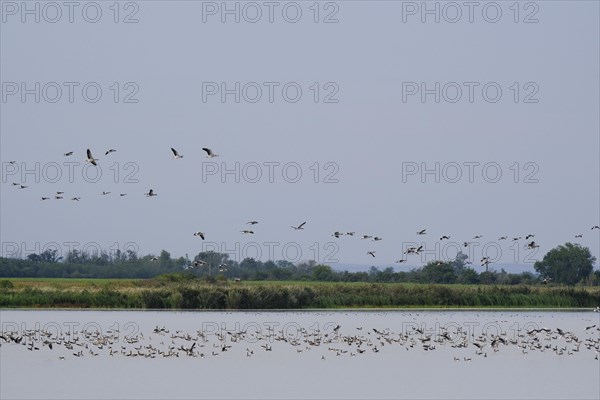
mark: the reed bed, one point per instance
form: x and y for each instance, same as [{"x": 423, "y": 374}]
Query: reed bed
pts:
[{"x": 196, "y": 294}]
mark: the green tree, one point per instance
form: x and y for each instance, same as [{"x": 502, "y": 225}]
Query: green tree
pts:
[
  {"x": 34, "y": 257},
  {"x": 50, "y": 256},
  {"x": 132, "y": 255},
  {"x": 250, "y": 264},
  {"x": 322, "y": 273},
  {"x": 374, "y": 274},
  {"x": 459, "y": 263},
  {"x": 387, "y": 275},
  {"x": 468, "y": 275},
  {"x": 569, "y": 264},
  {"x": 438, "y": 272},
  {"x": 165, "y": 259}
]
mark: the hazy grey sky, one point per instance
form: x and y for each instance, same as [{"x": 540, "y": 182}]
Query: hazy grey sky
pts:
[{"x": 365, "y": 135}]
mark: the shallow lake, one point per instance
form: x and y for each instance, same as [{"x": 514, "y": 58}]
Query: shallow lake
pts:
[{"x": 300, "y": 354}]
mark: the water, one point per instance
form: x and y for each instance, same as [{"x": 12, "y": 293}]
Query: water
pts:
[{"x": 317, "y": 359}]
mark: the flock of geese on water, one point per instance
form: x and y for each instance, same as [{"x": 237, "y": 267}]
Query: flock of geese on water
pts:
[
  {"x": 333, "y": 342},
  {"x": 485, "y": 261}
]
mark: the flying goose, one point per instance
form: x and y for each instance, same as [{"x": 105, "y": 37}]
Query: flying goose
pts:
[
  {"x": 201, "y": 234},
  {"x": 371, "y": 253},
  {"x": 299, "y": 227},
  {"x": 90, "y": 158},
  {"x": 209, "y": 152},
  {"x": 410, "y": 250},
  {"x": 595, "y": 227},
  {"x": 251, "y": 222},
  {"x": 45, "y": 198},
  {"x": 529, "y": 236},
  {"x": 151, "y": 193},
  {"x": 76, "y": 198},
  {"x": 421, "y": 232},
  {"x": 444, "y": 237},
  {"x": 245, "y": 232},
  {"x": 68, "y": 153},
  {"x": 337, "y": 234},
  {"x": 176, "y": 155},
  {"x": 109, "y": 151}
]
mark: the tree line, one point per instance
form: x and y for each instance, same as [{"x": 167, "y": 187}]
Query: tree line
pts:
[{"x": 568, "y": 264}]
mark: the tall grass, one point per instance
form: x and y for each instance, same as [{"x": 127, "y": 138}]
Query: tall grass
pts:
[{"x": 161, "y": 294}]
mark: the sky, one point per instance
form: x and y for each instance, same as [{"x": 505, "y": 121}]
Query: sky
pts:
[{"x": 379, "y": 118}]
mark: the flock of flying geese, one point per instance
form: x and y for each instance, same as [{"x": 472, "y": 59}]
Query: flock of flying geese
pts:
[
  {"x": 417, "y": 250},
  {"x": 485, "y": 261},
  {"x": 354, "y": 342},
  {"x": 94, "y": 161}
]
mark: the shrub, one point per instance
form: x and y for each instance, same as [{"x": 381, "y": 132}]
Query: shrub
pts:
[{"x": 6, "y": 284}]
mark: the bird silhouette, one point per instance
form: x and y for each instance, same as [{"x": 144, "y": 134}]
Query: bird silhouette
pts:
[
  {"x": 176, "y": 154},
  {"x": 299, "y": 227},
  {"x": 91, "y": 158},
  {"x": 209, "y": 152}
]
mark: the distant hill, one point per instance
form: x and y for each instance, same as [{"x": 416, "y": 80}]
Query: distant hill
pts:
[{"x": 510, "y": 268}]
